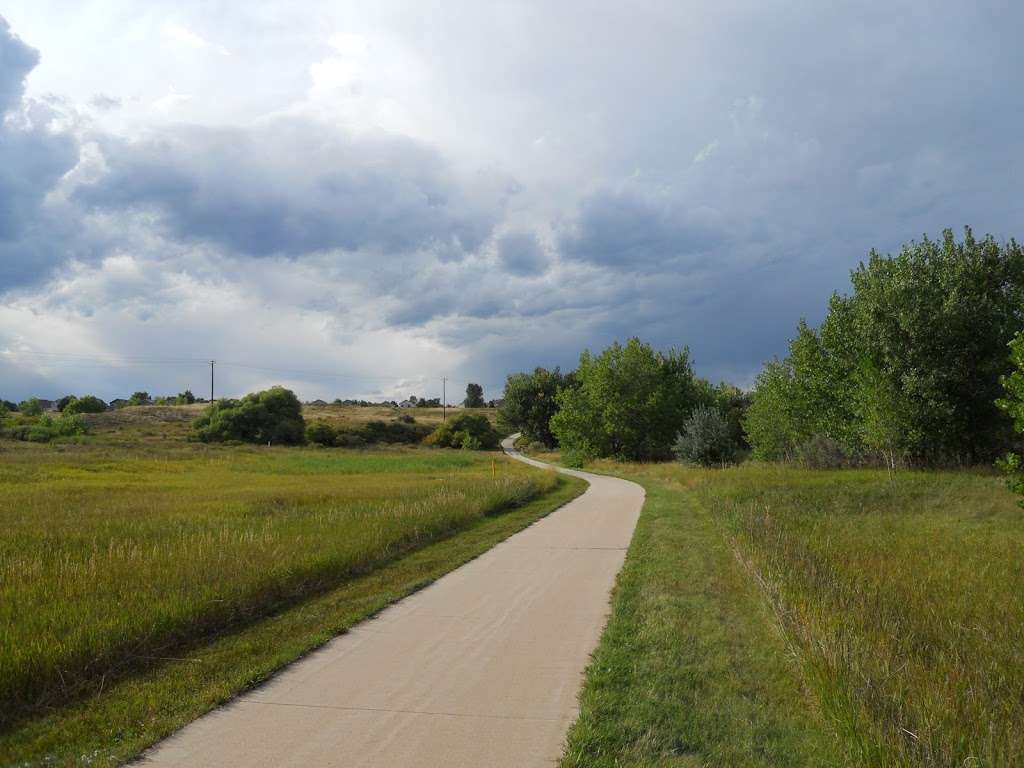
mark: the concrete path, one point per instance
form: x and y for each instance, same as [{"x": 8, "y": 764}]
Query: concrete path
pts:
[{"x": 482, "y": 668}]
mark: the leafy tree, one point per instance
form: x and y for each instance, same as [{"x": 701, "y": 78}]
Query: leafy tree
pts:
[
  {"x": 705, "y": 438},
  {"x": 474, "y": 396},
  {"x": 530, "y": 402},
  {"x": 31, "y": 407},
  {"x": 1012, "y": 403},
  {"x": 934, "y": 321},
  {"x": 64, "y": 402},
  {"x": 732, "y": 402},
  {"x": 467, "y": 430},
  {"x": 139, "y": 398},
  {"x": 770, "y": 423},
  {"x": 185, "y": 398},
  {"x": 273, "y": 416},
  {"x": 85, "y": 404},
  {"x": 630, "y": 403},
  {"x": 321, "y": 433},
  {"x": 881, "y": 412}
]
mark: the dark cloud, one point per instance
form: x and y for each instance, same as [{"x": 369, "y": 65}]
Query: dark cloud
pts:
[
  {"x": 522, "y": 254},
  {"x": 627, "y": 229},
  {"x": 293, "y": 187},
  {"x": 32, "y": 160}
]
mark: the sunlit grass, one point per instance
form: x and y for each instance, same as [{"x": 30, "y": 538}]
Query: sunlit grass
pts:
[
  {"x": 900, "y": 603},
  {"x": 110, "y": 562}
]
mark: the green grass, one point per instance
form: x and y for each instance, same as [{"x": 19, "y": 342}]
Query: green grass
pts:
[
  {"x": 690, "y": 670},
  {"x": 771, "y": 616},
  {"x": 111, "y": 563}
]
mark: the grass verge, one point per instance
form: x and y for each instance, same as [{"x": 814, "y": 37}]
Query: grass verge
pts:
[
  {"x": 120, "y": 720},
  {"x": 774, "y": 616},
  {"x": 691, "y": 669}
]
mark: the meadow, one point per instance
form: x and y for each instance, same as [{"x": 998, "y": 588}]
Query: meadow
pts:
[
  {"x": 774, "y": 616},
  {"x": 122, "y": 555}
]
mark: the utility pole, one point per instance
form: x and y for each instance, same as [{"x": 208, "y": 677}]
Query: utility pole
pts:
[
  {"x": 211, "y": 381},
  {"x": 444, "y": 398}
]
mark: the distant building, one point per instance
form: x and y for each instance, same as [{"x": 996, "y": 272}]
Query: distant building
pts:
[
  {"x": 48, "y": 405},
  {"x": 318, "y": 403}
]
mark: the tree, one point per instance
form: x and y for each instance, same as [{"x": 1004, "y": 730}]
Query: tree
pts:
[
  {"x": 770, "y": 424},
  {"x": 705, "y": 438},
  {"x": 732, "y": 402},
  {"x": 630, "y": 403},
  {"x": 467, "y": 430},
  {"x": 185, "y": 398},
  {"x": 881, "y": 412},
  {"x": 139, "y": 398},
  {"x": 85, "y": 404},
  {"x": 934, "y": 320},
  {"x": 530, "y": 402},
  {"x": 1012, "y": 403},
  {"x": 474, "y": 396},
  {"x": 273, "y": 416},
  {"x": 31, "y": 407}
]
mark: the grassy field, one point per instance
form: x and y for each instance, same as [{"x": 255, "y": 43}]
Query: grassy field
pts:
[
  {"x": 116, "y": 562},
  {"x": 772, "y": 616}
]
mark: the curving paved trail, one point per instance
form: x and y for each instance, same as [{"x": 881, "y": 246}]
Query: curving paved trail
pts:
[{"x": 481, "y": 668}]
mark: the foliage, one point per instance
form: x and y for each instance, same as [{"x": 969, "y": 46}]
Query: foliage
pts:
[
  {"x": 1012, "y": 402},
  {"x": 273, "y": 416},
  {"x": 321, "y": 433},
  {"x": 43, "y": 429},
  {"x": 84, "y": 404},
  {"x": 733, "y": 403},
  {"x": 474, "y": 396},
  {"x": 185, "y": 398},
  {"x": 31, "y": 407},
  {"x": 822, "y": 452},
  {"x": 705, "y": 438},
  {"x": 139, "y": 398},
  {"x": 932, "y": 324},
  {"x": 531, "y": 400},
  {"x": 467, "y": 430},
  {"x": 8, "y": 406},
  {"x": 630, "y": 402}
]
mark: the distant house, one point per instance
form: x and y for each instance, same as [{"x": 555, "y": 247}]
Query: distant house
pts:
[
  {"x": 48, "y": 405},
  {"x": 407, "y": 404}
]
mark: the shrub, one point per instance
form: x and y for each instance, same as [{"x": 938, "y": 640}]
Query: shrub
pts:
[
  {"x": 139, "y": 398},
  {"x": 629, "y": 403},
  {"x": 321, "y": 433},
  {"x": 273, "y": 416},
  {"x": 706, "y": 438},
  {"x": 31, "y": 407},
  {"x": 84, "y": 404},
  {"x": 185, "y": 398},
  {"x": 45, "y": 428},
  {"x": 823, "y": 452},
  {"x": 467, "y": 430},
  {"x": 349, "y": 440}
]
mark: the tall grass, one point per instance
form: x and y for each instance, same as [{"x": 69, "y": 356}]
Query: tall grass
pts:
[
  {"x": 904, "y": 599},
  {"x": 110, "y": 562}
]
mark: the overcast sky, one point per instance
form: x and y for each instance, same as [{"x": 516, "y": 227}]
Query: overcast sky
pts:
[{"x": 356, "y": 199}]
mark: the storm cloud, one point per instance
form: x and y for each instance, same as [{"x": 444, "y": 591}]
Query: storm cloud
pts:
[{"x": 388, "y": 193}]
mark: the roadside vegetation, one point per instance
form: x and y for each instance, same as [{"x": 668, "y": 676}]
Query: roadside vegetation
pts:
[
  {"x": 776, "y": 616},
  {"x": 868, "y": 564},
  {"x": 142, "y": 547}
]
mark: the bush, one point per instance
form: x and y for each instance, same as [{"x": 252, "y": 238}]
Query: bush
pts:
[
  {"x": 822, "y": 452},
  {"x": 349, "y": 440},
  {"x": 31, "y": 407},
  {"x": 467, "y": 430},
  {"x": 629, "y": 403},
  {"x": 185, "y": 398},
  {"x": 706, "y": 438},
  {"x": 84, "y": 404},
  {"x": 321, "y": 433},
  {"x": 45, "y": 428},
  {"x": 273, "y": 416}
]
